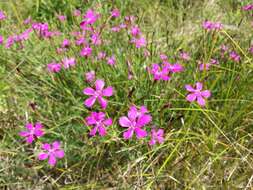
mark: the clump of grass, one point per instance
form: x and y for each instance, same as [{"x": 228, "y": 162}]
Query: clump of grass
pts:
[{"x": 204, "y": 147}]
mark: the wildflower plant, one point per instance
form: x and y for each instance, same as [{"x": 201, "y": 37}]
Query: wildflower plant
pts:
[{"x": 125, "y": 98}]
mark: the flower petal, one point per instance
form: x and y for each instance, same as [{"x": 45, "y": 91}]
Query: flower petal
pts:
[
  {"x": 89, "y": 91},
  {"x": 132, "y": 113},
  {"x": 46, "y": 146},
  {"x": 38, "y": 133},
  {"x": 56, "y": 145},
  {"x": 191, "y": 97},
  {"x": 201, "y": 101},
  {"x": 108, "y": 91},
  {"x": 29, "y": 139},
  {"x": 52, "y": 160},
  {"x": 42, "y": 156},
  {"x": 93, "y": 131},
  {"x": 199, "y": 86},
  {"x": 189, "y": 88},
  {"x": 29, "y": 126},
  {"x": 23, "y": 133},
  {"x": 124, "y": 122},
  {"x": 143, "y": 120},
  {"x": 59, "y": 154},
  {"x": 108, "y": 122},
  {"x": 90, "y": 101},
  {"x": 206, "y": 93},
  {"x": 102, "y": 101},
  {"x": 128, "y": 134},
  {"x": 140, "y": 133},
  {"x": 99, "y": 84},
  {"x": 102, "y": 131}
]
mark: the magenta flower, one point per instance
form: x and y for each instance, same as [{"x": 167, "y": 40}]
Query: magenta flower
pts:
[
  {"x": 2, "y": 15},
  {"x": 204, "y": 67},
  {"x": 90, "y": 17},
  {"x": 61, "y": 18},
  {"x": 163, "y": 57},
  {"x": 111, "y": 60},
  {"x": 97, "y": 94},
  {"x": 185, "y": 56},
  {"x": 159, "y": 72},
  {"x": 98, "y": 120},
  {"x": 156, "y": 136},
  {"x": 81, "y": 41},
  {"x": 174, "y": 68},
  {"x": 51, "y": 152},
  {"x": 135, "y": 31},
  {"x": 250, "y": 49},
  {"x": 115, "y": 13},
  {"x": 197, "y": 94},
  {"x": 1, "y": 39},
  {"x": 86, "y": 51},
  {"x": 234, "y": 56},
  {"x": 115, "y": 29},
  {"x": 68, "y": 62},
  {"x": 90, "y": 76},
  {"x": 32, "y": 132},
  {"x": 139, "y": 42},
  {"x": 54, "y": 67},
  {"x": 65, "y": 43},
  {"x": 95, "y": 39},
  {"x": 135, "y": 121},
  {"x": 101, "y": 55},
  {"x": 77, "y": 13},
  {"x": 248, "y": 7},
  {"x": 209, "y": 25}
]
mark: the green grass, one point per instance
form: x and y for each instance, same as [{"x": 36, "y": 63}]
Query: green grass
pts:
[{"x": 204, "y": 148}]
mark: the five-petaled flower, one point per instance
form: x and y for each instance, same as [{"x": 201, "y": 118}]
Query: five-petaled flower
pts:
[
  {"x": 197, "y": 94},
  {"x": 32, "y": 132},
  {"x": 135, "y": 120},
  {"x": 51, "y": 152},
  {"x": 98, "y": 94},
  {"x": 156, "y": 136},
  {"x": 98, "y": 120}
]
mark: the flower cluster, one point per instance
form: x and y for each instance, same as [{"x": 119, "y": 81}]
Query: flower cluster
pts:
[
  {"x": 209, "y": 25},
  {"x": 53, "y": 151}
]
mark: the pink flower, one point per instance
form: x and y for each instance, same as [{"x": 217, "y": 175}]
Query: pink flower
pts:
[
  {"x": 234, "y": 56},
  {"x": 51, "y": 152},
  {"x": 159, "y": 72},
  {"x": 1, "y": 39},
  {"x": 248, "y": 7},
  {"x": 61, "y": 18},
  {"x": 81, "y": 41},
  {"x": 139, "y": 42},
  {"x": 135, "y": 31},
  {"x": 90, "y": 17},
  {"x": 98, "y": 94},
  {"x": 28, "y": 20},
  {"x": 2, "y": 15},
  {"x": 135, "y": 120},
  {"x": 163, "y": 57},
  {"x": 204, "y": 67},
  {"x": 115, "y": 28},
  {"x": 98, "y": 120},
  {"x": 32, "y": 132},
  {"x": 68, "y": 62},
  {"x": 111, "y": 60},
  {"x": 95, "y": 39},
  {"x": 174, "y": 68},
  {"x": 185, "y": 56},
  {"x": 197, "y": 94},
  {"x": 90, "y": 76},
  {"x": 208, "y": 25},
  {"x": 65, "y": 43},
  {"x": 250, "y": 49},
  {"x": 54, "y": 67},
  {"x": 156, "y": 136},
  {"x": 86, "y": 51},
  {"x": 77, "y": 13},
  {"x": 115, "y": 13},
  {"x": 101, "y": 55}
]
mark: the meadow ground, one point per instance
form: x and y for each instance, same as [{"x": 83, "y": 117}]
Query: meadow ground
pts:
[{"x": 202, "y": 144}]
